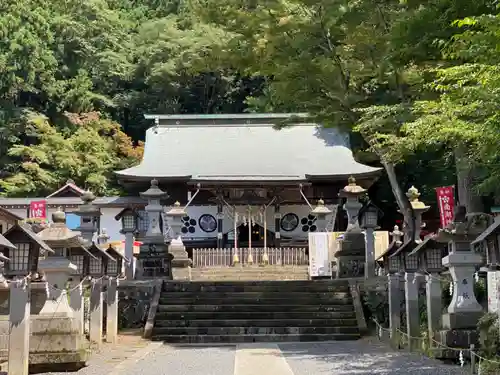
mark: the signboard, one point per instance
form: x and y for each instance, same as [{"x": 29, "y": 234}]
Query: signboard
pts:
[
  {"x": 446, "y": 202},
  {"x": 38, "y": 210},
  {"x": 493, "y": 291},
  {"x": 319, "y": 255}
]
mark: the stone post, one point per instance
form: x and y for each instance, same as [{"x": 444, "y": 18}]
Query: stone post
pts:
[
  {"x": 96, "y": 318},
  {"x": 370, "y": 253},
  {"x": 19, "y": 324},
  {"x": 394, "y": 290},
  {"x": 412, "y": 311},
  {"x": 112, "y": 310},
  {"x": 129, "y": 255},
  {"x": 434, "y": 304},
  {"x": 76, "y": 303}
]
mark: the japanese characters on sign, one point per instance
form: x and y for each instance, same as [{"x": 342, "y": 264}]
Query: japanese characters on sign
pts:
[
  {"x": 446, "y": 202},
  {"x": 38, "y": 210}
]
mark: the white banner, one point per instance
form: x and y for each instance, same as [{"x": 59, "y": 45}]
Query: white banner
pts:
[
  {"x": 319, "y": 259},
  {"x": 493, "y": 291}
]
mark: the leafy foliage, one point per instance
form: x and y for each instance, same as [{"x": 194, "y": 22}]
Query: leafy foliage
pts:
[
  {"x": 119, "y": 58},
  {"x": 87, "y": 150}
]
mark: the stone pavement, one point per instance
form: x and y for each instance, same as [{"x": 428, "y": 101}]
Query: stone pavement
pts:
[{"x": 363, "y": 357}]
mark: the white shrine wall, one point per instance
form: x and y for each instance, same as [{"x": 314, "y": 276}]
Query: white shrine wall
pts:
[{"x": 300, "y": 231}]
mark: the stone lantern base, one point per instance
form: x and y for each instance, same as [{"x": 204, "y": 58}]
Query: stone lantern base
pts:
[
  {"x": 56, "y": 344},
  {"x": 56, "y": 341}
]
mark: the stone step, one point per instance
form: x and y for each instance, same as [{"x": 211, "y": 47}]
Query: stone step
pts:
[
  {"x": 251, "y": 269},
  {"x": 249, "y": 278},
  {"x": 195, "y": 331},
  {"x": 257, "y": 286},
  {"x": 333, "y": 301},
  {"x": 350, "y": 322},
  {"x": 249, "y": 309},
  {"x": 255, "y": 295},
  {"x": 259, "y": 315},
  {"x": 211, "y": 339},
  {"x": 202, "y": 300}
]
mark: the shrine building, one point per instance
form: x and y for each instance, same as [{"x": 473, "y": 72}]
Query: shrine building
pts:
[{"x": 242, "y": 181}]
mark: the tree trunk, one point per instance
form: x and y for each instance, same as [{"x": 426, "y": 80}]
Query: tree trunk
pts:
[
  {"x": 401, "y": 200},
  {"x": 466, "y": 174}
]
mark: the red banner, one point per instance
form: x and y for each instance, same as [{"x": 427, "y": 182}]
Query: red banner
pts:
[
  {"x": 446, "y": 203},
  {"x": 38, "y": 210}
]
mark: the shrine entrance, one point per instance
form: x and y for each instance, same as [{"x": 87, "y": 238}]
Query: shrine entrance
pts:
[{"x": 253, "y": 235}]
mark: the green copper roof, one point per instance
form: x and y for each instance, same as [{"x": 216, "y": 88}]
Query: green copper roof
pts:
[{"x": 244, "y": 148}]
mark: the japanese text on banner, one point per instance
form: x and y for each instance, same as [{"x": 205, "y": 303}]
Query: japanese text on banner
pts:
[
  {"x": 38, "y": 210},
  {"x": 446, "y": 202}
]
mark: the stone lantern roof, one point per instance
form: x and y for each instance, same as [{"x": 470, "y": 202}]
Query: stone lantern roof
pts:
[
  {"x": 154, "y": 192},
  {"x": 321, "y": 209},
  {"x": 176, "y": 211},
  {"x": 58, "y": 235},
  {"x": 88, "y": 208},
  {"x": 352, "y": 189},
  {"x": 413, "y": 194},
  {"x": 4, "y": 242}
]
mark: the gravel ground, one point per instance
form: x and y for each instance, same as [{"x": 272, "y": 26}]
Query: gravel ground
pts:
[
  {"x": 186, "y": 361},
  {"x": 363, "y": 357},
  {"x": 105, "y": 360},
  {"x": 360, "y": 358}
]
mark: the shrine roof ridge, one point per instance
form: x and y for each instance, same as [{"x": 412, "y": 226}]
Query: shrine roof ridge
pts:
[{"x": 230, "y": 116}]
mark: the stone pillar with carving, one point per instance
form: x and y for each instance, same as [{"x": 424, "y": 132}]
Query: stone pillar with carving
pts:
[
  {"x": 154, "y": 252},
  {"x": 351, "y": 255},
  {"x": 464, "y": 311}
]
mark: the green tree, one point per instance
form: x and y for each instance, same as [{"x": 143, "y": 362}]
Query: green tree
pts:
[
  {"x": 87, "y": 150},
  {"x": 356, "y": 65}
]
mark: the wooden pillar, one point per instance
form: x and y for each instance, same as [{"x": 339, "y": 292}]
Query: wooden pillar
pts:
[{"x": 220, "y": 217}]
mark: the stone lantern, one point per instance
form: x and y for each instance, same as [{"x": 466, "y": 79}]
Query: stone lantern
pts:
[
  {"x": 321, "y": 212},
  {"x": 430, "y": 255},
  {"x": 180, "y": 260},
  {"x": 489, "y": 240},
  {"x": 351, "y": 253},
  {"x": 28, "y": 249},
  {"x": 464, "y": 311},
  {"x": 89, "y": 216},
  {"x": 57, "y": 269},
  {"x": 418, "y": 209},
  {"x": 391, "y": 264},
  {"x": 115, "y": 268},
  {"x": 154, "y": 253}
]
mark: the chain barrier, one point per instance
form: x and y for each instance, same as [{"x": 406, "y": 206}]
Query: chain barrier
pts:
[{"x": 476, "y": 360}]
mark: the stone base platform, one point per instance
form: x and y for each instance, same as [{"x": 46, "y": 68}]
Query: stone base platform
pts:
[
  {"x": 455, "y": 339},
  {"x": 454, "y": 321}
]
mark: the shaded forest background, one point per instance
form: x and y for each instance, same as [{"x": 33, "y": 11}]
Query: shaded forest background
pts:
[{"x": 415, "y": 82}]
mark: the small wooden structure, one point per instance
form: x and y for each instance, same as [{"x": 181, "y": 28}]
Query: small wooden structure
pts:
[{"x": 28, "y": 248}]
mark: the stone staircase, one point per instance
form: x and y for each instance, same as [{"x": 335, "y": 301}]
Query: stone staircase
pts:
[
  {"x": 255, "y": 311},
  {"x": 250, "y": 273}
]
